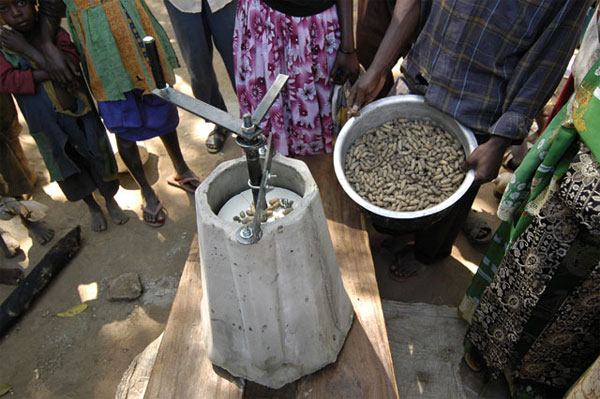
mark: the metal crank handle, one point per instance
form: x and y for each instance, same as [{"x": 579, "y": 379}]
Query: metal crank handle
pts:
[{"x": 152, "y": 52}]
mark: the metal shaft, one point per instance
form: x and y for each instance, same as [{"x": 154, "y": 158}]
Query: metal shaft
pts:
[
  {"x": 152, "y": 52},
  {"x": 251, "y": 147}
]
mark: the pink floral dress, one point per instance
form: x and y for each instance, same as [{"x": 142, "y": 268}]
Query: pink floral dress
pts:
[{"x": 267, "y": 42}]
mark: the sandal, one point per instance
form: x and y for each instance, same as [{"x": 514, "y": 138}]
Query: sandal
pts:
[
  {"x": 474, "y": 360},
  {"x": 477, "y": 230},
  {"x": 405, "y": 266},
  {"x": 160, "y": 210},
  {"x": 189, "y": 184},
  {"x": 216, "y": 140}
]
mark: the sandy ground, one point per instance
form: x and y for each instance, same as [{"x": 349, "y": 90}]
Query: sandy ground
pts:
[{"x": 45, "y": 356}]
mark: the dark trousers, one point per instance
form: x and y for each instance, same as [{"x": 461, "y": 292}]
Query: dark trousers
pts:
[{"x": 435, "y": 242}]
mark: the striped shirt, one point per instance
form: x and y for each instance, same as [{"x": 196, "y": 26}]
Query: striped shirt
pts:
[{"x": 493, "y": 64}]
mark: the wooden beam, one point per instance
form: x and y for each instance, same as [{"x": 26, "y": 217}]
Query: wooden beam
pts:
[{"x": 42, "y": 274}]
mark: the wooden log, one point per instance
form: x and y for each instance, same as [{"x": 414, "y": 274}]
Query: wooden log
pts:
[{"x": 41, "y": 275}]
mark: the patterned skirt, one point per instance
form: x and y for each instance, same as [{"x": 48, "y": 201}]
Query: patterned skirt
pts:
[
  {"x": 539, "y": 319},
  {"x": 266, "y": 43}
]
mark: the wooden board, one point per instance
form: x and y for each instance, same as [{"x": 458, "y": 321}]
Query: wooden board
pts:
[
  {"x": 364, "y": 367},
  {"x": 182, "y": 369}
]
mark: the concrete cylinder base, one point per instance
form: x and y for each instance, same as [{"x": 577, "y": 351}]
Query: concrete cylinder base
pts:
[{"x": 276, "y": 310}]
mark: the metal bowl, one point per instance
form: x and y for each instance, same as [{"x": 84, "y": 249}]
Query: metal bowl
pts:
[{"x": 372, "y": 116}]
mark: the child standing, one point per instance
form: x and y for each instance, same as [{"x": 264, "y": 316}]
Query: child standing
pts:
[
  {"x": 108, "y": 35},
  {"x": 62, "y": 121}
]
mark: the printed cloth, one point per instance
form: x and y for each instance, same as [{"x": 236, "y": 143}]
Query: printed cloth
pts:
[
  {"x": 108, "y": 35},
  {"x": 533, "y": 303},
  {"x": 267, "y": 43}
]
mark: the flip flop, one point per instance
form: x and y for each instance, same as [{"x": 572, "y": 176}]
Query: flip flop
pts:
[
  {"x": 154, "y": 213},
  {"x": 185, "y": 183},
  {"x": 405, "y": 266},
  {"x": 216, "y": 140},
  {"x": 473, "y": 359}
]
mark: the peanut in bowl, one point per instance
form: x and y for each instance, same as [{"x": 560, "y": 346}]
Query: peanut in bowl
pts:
[{"x": 399, "y": 160}]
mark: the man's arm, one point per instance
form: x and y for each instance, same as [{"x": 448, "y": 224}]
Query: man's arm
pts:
[
  {"x": 345, "y": 66},
  {"x": 530, "y": 86},
  {"x": 400, "y": 34},
  {"x": 540, "y": 70}
]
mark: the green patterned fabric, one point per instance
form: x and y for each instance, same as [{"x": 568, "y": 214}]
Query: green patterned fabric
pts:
[
  {"x": 538, "y": 177},
  {"x": 108, "y": 35}
]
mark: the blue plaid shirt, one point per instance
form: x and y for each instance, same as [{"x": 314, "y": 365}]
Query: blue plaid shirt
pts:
[{"x": 493, "y": 64}]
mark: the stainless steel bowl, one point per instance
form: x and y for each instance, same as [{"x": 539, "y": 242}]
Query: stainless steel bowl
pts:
[{"x": 381, "y": 111}]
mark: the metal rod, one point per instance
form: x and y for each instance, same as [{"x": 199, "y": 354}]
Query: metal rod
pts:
[
  {"x": 152, "y": 52},
  {"x": 203, "y": 110},
  {"x": 251, "y": 147},
  {"x": 270, "y": 97}
]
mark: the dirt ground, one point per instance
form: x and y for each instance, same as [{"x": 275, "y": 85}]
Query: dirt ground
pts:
[{"x": 45, "y": 356}]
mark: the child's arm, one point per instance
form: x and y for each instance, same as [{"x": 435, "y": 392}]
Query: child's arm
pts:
[
  {"x": 60, "y": 67},
  {"x": 13, "y": 80},
  {"x": 15, "y": 41},
  {"x": 65, "y": 45}
]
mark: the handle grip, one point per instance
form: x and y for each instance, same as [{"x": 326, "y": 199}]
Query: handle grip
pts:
[{"x": 157, "y": 72}]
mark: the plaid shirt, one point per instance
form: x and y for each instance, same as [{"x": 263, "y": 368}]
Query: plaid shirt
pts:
[{"x": 493, "y": 64}]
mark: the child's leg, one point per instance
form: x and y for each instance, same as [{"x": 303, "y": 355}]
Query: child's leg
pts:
[
  {"x": 131, "y": 157},
  {"x": 115, "y": 212},
  {"x": 40, "y": 231},
  {"x": 98, "y": 220},
  {"x": 183, "y": 172}
]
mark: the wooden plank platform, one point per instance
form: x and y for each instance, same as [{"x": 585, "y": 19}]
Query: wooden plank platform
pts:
[{"x": 364, "y": 367}]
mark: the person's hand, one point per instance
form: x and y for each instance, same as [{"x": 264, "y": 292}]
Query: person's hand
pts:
[
  {"x": 486, "y": 159},
  {"x": 60, "y": 67},
  {"x": 13, "y": 40},
  {"x": 366, "y": 89},
  {"x": 345, "y": 68}
]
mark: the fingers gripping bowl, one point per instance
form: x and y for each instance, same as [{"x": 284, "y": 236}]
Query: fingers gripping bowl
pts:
[{"x": 408, "y": 107}]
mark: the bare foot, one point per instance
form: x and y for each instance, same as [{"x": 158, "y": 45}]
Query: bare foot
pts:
[
  {"x": 11, "y": 276},
  {"x": 115, "y": 212},
  {"x": 40, "y": 231},
  {"x": 405, "y": 266},
  {"x": 98, "y": 220}
]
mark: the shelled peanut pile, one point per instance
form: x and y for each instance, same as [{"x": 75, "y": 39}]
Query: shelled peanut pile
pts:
[{"x": 405, "y": 165}]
